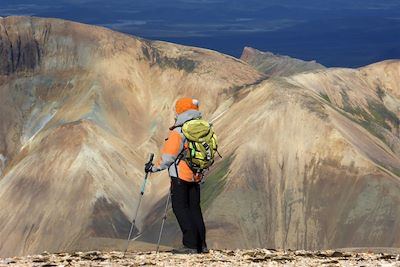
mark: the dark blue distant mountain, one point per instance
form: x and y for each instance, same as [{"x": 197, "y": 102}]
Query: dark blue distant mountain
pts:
[{"x": 333, "y": 32}]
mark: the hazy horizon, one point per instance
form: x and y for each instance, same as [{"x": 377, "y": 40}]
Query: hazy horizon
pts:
[{"x": 333, "y": 32}]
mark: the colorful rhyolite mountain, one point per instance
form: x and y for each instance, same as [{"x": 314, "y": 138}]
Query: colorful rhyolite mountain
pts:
[{"x": 310, "y": 160}]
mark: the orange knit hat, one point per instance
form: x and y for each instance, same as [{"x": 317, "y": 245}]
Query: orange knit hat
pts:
[{"x": 184, "y": 104}]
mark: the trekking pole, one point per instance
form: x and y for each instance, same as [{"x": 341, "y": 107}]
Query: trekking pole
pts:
[
  {"x": 138, "y": 205},
  {"x": 162, "y": 224}
]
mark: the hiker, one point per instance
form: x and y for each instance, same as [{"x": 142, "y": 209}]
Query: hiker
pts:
[{"x": 185, "y": 188}]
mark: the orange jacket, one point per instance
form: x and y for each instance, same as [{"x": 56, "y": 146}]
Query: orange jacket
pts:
[{"x": 174, "y": 146}]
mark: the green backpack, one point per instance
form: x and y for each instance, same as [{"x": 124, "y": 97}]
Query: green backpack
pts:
[{"x": 202, "y": 144}]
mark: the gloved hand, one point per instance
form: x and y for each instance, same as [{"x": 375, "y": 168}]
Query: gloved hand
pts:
[{"x": 148, "y": 167}]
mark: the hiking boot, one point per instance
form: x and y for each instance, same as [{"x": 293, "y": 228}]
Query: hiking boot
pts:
[
  {"x": 184, "y": 250},
  {"x": 205, "y": 250}
]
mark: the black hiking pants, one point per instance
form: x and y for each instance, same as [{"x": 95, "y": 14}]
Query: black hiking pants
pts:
[{"x": 186, "y": 206}]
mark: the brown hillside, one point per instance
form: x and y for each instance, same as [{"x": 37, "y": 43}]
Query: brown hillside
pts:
[{"x": 310, "y": 160}]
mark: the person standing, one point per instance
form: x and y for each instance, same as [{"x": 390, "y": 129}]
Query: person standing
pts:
[{"x": 185, "y": 188}]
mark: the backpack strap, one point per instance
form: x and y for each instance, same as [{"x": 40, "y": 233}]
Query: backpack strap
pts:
[
  {"x": 176, "y": 162},
  {"x": 181, "y": 154},
  {"x": 218, "y": 153},
  {"x": 175, "y": 126}
]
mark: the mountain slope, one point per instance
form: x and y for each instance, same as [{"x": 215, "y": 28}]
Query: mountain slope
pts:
[
  {"x": 309, "y": 161},
  {"x": 84, "y": 107},
  {"x": 277, "y": 65},
  {"x": 308, "y": 174}
]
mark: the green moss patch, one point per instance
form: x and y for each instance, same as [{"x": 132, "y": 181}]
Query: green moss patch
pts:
[
  {"x": 326, "y": 97},
  {"x": 180, "y": 63},
  {"x": 215, "y": 183},
  {"x": 381, "y": 93},
  {"x": 374, "y": 119}
]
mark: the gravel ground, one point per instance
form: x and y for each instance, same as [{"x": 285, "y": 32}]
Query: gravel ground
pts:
[{"x": 257, "y": 257}]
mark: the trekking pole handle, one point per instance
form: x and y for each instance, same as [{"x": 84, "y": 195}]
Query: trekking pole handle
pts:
[
  {"x": 151, "y": 157},
  {"x": 145, "y": 178}
]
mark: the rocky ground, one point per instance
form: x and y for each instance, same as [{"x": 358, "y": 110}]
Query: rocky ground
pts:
[{"x": 258, "y": 257}]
